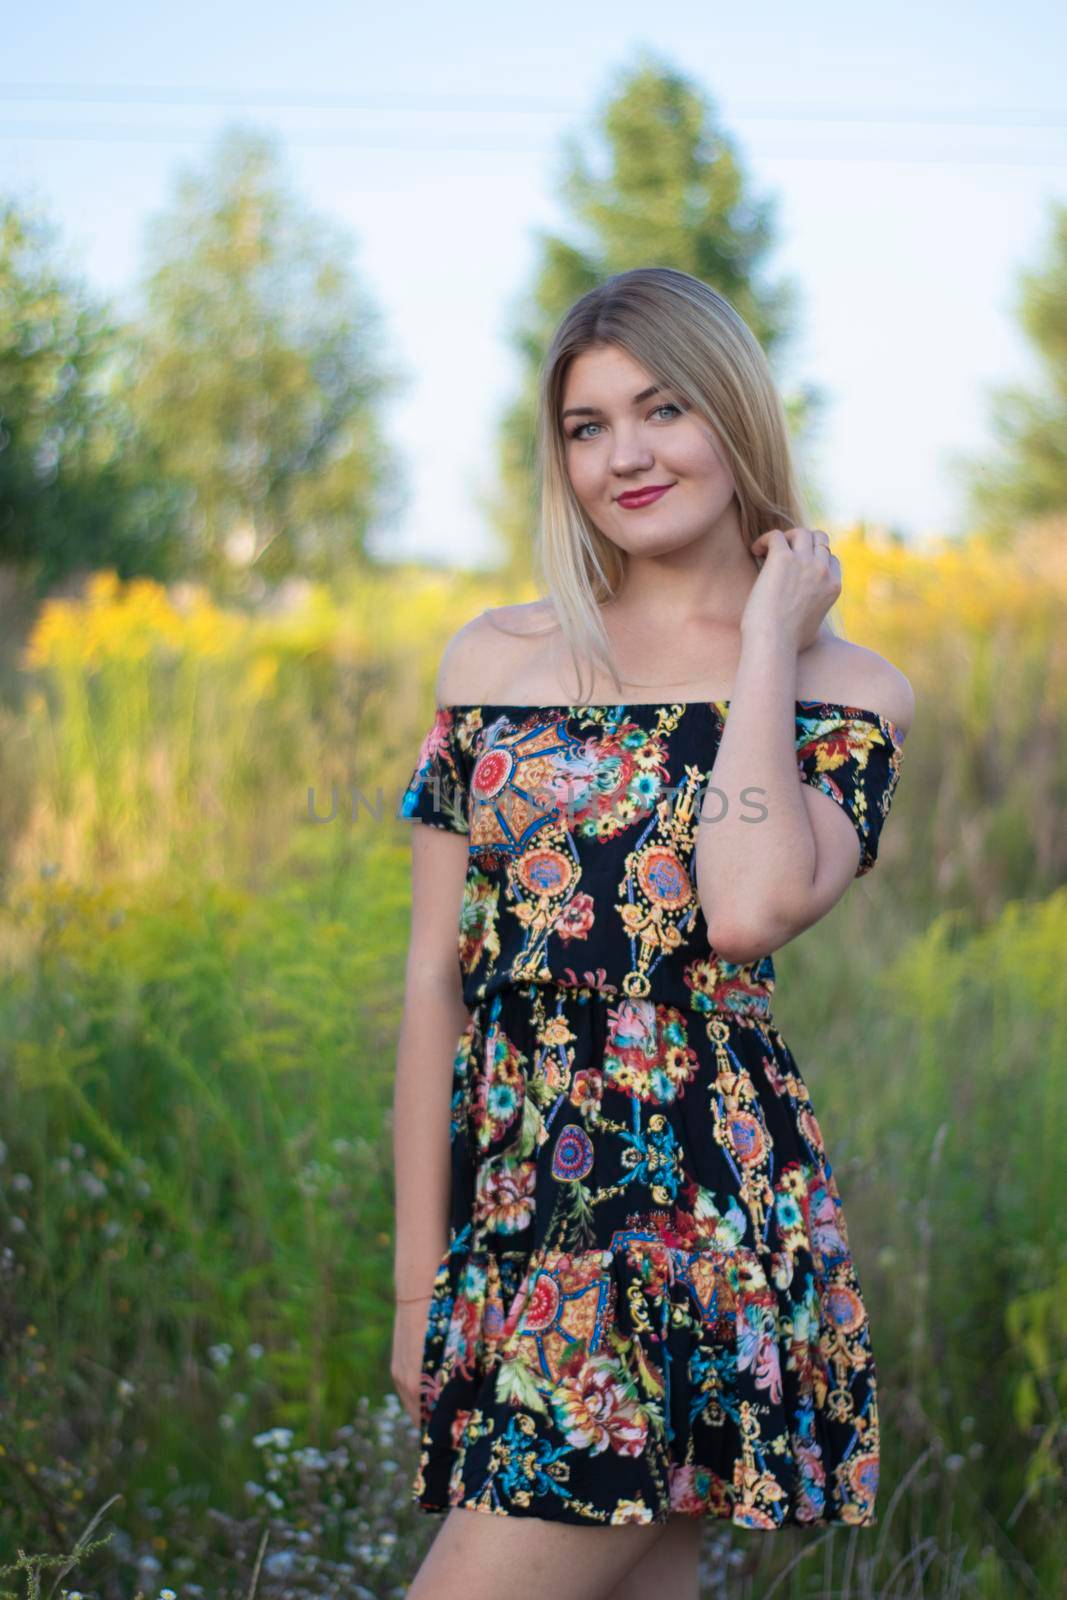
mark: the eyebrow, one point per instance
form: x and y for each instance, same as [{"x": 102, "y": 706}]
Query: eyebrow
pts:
[{"x": 595, "y": 411}]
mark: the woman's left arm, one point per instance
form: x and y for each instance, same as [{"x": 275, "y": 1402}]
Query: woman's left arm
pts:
[
  {"x": 754, "y": 844},
  {"x": 774, "y": 853}
]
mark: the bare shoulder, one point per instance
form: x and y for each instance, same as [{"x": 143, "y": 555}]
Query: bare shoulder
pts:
[
  {"x": 483, "y": 657},
  {"x": 527, "y": 620},
  {"x": 861, "y": 677}
]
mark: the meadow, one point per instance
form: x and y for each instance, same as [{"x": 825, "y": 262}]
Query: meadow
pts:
[{"x": 205, "y": 914}]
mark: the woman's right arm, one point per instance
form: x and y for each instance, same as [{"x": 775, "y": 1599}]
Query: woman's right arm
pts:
[
  {"x": 434, "y": 1017},
  {"x": 434, "y": 1014},
  {"x": 433, "y": 1020}
]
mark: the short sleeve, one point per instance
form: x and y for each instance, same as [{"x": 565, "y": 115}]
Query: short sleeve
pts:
[
  {"x": 854, "y": 756},
  {"x": 437, "y": 789}
]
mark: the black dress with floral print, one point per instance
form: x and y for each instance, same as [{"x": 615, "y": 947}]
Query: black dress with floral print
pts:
[{"x": 648, "y": 1303}]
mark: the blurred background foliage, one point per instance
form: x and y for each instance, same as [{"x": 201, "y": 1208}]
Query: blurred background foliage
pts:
[{"x": 212, "y": 692}]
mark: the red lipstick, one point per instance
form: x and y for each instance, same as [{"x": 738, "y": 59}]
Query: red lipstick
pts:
[{"x": 643, "y": 497}]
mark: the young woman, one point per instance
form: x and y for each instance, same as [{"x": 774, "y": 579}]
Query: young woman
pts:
[{"x": 626, "y": 1300}]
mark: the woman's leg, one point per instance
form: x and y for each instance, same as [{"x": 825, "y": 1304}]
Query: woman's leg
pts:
[
  {"x": 480, "y": 1556},
  {"x": 671, "y": 1569}
]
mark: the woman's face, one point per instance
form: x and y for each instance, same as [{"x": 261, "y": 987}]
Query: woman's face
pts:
[{"x": 618, "y": 437}]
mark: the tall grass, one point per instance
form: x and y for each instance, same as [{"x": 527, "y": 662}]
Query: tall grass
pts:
[{"x": 197, "y": 1023}]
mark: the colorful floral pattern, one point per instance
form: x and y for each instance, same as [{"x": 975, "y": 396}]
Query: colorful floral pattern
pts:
[{"x": 648, "y": 1303}]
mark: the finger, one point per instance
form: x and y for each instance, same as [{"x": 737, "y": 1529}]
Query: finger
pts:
[
  {"x": 789, "y": 536},
  {"x": 776, "y": 537},
  {"x": 817, "y": 540}
]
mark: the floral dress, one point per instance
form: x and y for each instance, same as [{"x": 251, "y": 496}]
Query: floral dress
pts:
[{"x": 648, "y": 1304}]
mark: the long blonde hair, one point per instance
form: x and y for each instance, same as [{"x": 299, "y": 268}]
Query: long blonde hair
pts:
[{"x": 691, "y": 340}]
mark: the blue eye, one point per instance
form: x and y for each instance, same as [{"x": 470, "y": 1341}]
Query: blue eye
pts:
[{"x": 667, "y": 405}]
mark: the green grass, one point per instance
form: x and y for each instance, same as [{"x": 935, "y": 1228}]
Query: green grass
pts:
[{"x": 198, "y": 1023}]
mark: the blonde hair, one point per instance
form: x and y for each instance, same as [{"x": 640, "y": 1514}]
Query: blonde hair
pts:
[{"x": 691, "y": 340}]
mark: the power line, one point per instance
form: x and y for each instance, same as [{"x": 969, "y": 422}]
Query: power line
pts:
[
  {"x": 485, "y": 143},
  {"x": 395, "y": 100}
]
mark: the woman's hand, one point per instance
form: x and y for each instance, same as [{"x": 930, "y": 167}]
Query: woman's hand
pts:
[
  {"x": 799, "y": 581},
  {"x": 409, "y": 1331}
]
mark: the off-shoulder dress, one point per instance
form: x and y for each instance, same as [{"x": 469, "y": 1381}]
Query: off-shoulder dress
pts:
[{"x": 648, "y": 1303}]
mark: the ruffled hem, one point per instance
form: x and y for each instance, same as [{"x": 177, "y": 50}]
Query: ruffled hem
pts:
[{"x": 647, "y": 1379}]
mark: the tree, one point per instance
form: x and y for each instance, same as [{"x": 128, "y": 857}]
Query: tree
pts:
[
  {"x": 1029, "y": 481},
  {"x": 77, "y": 487},
  {"x": 254, "y": 377},
  {"x": 673, "y": 195}
]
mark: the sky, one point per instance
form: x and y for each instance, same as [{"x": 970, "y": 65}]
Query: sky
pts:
[{"x": 913, "y": 156}]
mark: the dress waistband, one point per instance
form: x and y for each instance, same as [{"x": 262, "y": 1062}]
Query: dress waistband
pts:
[{"x": 738, "y": 994}]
